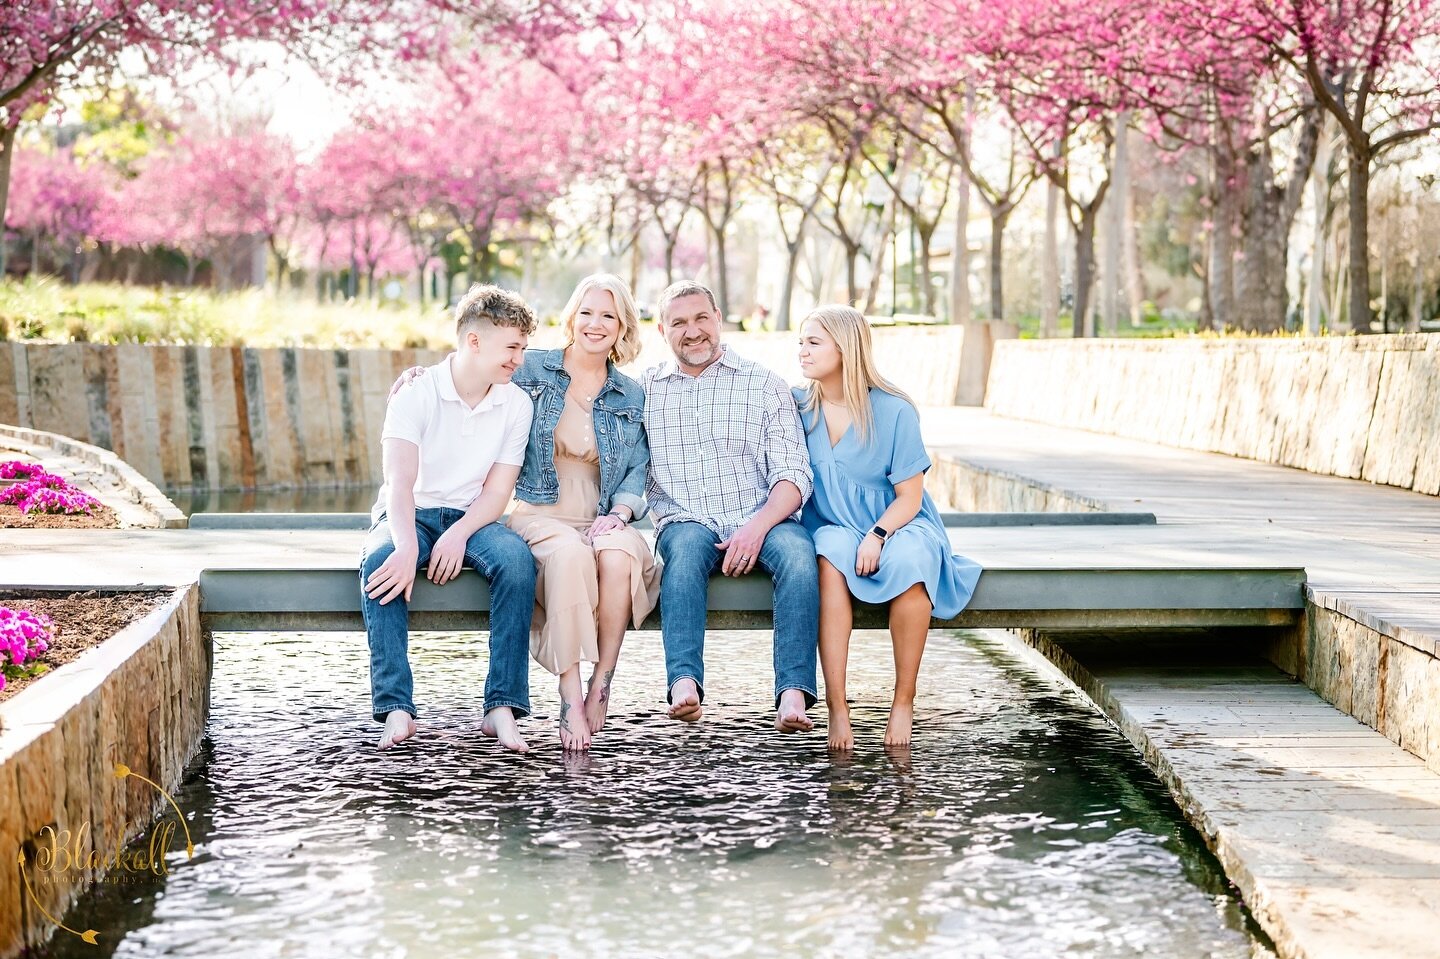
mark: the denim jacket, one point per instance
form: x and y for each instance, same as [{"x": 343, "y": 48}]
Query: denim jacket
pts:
[{"x": 619, "y": 434}]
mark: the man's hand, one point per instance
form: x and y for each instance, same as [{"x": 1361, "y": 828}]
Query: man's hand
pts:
[
  {"x": 867, "y": 557},
  {"x": 447, "y": 557},
  {"x": 394, "y": 576},
  {"x": 406, "y": 378},
  {"x": 742, "y": 549}
]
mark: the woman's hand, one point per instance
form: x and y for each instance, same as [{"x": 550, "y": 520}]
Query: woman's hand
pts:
[
  {"x": 867, "y": 557},
  {"x": 606, "y": 523},
  {"x": 406, "y": 378}
]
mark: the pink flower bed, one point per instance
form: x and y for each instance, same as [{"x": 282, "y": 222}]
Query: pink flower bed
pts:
[
  {"x": 42, "y": 492},
  {"x": 24, "y": 637}
]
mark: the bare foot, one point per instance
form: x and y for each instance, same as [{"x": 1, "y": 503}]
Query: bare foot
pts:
[
  {"x": 597, "y": 701},
  {"x": 897, "y": 731},
  {"x": 842, "y": 737},
  {"x": 574, "y": 730},
  {"x": 500, "y": 724},
  {"x": 399, "y": 726},
  {"x": 684, "y": 701},
  {"x": 790, "y": 717}
]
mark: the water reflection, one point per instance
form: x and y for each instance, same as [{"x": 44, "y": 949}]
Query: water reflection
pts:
[
  {"x": 342, "y": 499},
  {"x": 1019, "y": 825}
]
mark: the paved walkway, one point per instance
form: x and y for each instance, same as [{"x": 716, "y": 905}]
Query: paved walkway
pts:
[
  {"x": 1371, "y": 552},
  {"x": 1328, "y": 828}
]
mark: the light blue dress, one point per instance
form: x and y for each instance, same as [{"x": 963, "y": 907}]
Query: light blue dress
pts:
[{"x": 855, "y": 484}]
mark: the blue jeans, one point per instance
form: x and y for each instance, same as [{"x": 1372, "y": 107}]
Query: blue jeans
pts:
[
  {"x": 689, "y": 553},
  {"x": 497, "y": 554}
]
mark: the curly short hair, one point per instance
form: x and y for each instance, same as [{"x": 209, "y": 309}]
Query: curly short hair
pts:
[{"x": 486, "y": 303}]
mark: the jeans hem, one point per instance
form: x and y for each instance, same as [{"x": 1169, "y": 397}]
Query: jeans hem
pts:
[
  {"x": 521, "y": 710},
  {"x": 811, "y": 698},
  {"x": 379, "y": 713},
  {"x": 699, "y": 688}
]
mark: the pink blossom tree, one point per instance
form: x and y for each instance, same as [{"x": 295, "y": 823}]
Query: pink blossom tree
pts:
[
  {"x": 1372, "y": 65},
  {"x": 57, "y": 202}
]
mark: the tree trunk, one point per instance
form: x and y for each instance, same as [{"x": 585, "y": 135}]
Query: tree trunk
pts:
[
  {"x": 1220, "y": 269},
  {"x": 877, "y": 272},
  {"x": 1361, "y": 320},
  {"x": 999, "y": 217},
  {"x": 1082, "y": 324},
  {"x": 926, "y": 235},
  {"x": 1259, "y": 270},
  {"x": 7, "y": 153},
  {"x": 1320, "y": 199},
  {"x": 722, "y": 270},
  {"x": 852, "y": 284},
  {"x": 1050, "y": 264},
  {"x": 1337, "y": 293},
  {"x": 1130, "y": 255},
  {"x": 877, "y": 257},
  {"x": 1417, "y": 293},
  {"x": 1114, "y": 227},
  {"x": 793, "y": 249},
  {"x": 960, "y": 307}
]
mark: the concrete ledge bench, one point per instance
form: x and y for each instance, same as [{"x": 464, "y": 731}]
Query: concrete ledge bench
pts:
[
  {"x": 1093, "y": 598},
  {"x": 354, "y": 521}
]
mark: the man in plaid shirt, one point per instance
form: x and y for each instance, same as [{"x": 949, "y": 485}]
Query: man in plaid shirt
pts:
[{"x": 729, "y": 472}]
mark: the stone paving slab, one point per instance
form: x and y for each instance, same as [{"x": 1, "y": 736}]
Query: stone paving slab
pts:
[{"x": 1328, "y": 828}]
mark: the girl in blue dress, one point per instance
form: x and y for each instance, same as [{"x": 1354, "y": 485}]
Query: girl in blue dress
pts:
[{"x": 877, "y": 533}]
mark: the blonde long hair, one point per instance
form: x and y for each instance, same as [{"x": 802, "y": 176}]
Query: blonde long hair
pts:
[
  {"x": 627, "y": 344},
  {"x": 847, "y": 327}
]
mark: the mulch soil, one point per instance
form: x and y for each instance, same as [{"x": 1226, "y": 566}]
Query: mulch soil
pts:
[
  {"x": 82, "y": 621},
  {"x": 103, "y": 518}
]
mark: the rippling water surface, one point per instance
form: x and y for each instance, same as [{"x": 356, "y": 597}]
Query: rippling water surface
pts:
[{"x": 1020, "y": 824}]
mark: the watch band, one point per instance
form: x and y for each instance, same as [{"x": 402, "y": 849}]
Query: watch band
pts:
[{"x": 880, "y": 533}]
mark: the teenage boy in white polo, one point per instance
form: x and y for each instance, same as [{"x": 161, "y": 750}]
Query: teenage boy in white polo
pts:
[{"x": 453, "y": 445}]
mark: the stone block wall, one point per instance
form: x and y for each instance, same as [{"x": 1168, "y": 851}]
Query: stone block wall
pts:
[
  {"x": 1357, "y": 407},
  {"x": 223, "y": 417},
  {"x": 240, "y": 418},
  {"x": 1384, "y": 676},
  {"x": 140, "y": 699}
]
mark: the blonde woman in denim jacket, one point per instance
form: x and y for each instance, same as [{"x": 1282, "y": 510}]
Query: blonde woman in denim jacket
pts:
[{"x": 580, "y": 487}]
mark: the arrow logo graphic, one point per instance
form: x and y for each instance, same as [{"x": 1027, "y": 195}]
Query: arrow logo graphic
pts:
[
  {"x": 89, "y": 935},
  {"x": 122, "y": 770}
]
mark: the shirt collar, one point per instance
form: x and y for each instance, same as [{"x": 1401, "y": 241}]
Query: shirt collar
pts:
[{"x": 727, "y": 357}]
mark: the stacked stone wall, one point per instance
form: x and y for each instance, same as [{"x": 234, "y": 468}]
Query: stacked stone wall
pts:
[
  {"x": 1357, "y": 407},
  {"x": 241, "y": 418}
]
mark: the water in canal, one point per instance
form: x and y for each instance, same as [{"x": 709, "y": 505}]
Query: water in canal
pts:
[
  {"x": 336, "y": 499},
  {"x": 1020, "y": 825}
]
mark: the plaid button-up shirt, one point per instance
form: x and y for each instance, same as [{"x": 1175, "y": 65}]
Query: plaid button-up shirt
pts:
[{"x": 719, "y": 442}]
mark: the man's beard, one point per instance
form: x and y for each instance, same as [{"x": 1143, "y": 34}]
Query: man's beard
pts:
[{"x": 698, "y": 354}]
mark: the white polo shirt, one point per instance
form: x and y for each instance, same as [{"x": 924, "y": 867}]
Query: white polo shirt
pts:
[{"x": 458, "y": 444}]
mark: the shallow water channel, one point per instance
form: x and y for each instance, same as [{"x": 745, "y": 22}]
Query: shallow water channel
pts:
[{"x": 1020, "y": 825}]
